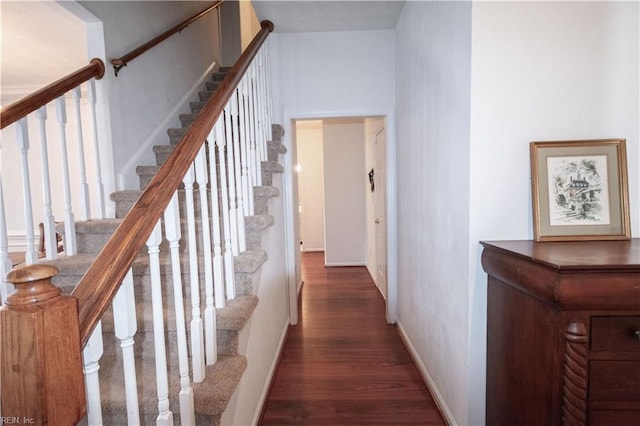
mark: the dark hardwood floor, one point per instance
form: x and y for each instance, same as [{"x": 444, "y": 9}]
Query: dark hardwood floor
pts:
[{"x": 342, "y": 363}]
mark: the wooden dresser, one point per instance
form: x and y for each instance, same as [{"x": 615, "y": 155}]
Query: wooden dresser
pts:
[{"x": 563, "y": 332}]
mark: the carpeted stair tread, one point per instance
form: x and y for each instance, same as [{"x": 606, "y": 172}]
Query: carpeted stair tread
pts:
[
  {"x": 235, "y": 315},
  {"x": 126, "y": 195},
  {"x": 258, "y": 222},
  {"x": 196, "y": 106},
  {"x": 277, "y": 132},
  {"x": 272, "y": 167},
  {"x": 212, "y": 85},
  {"x": 249, "y": 261},
  {"x": 187, "y": 119},
  {"x": 210, "y": 396},
  {"x": 265, "y": 191},
  {"x": 219, "y": 76},
  {"x": 277, "y": 146},
  {"x": 213, "y": 394},
  {"x": 205, "y": 95},
  {"x": 175, "y": 135},
  {"x": 163, "y": 149},
  {"x": 147, "y": 170}
]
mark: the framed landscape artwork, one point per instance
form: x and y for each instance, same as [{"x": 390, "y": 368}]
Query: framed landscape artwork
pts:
[{"x": 579, "y": 190}]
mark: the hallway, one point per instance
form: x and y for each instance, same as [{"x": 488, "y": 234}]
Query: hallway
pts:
[{"x": 343, "y": 364}]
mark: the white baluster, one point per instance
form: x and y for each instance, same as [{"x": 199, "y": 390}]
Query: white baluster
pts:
[
  {"x": 237, "y": 174},
  {"x": 228, "y": 254},
  {"x": 96, "y": 148},
  {"x": 269, "y": 82},
  {"x": 231, "y": 180},
  {"x": 197, "y": 333},
  {"x": 5, "y": 263},
  {"x": 70, "y": 247},
  {"x": 256, "y": 173},
  {"x": 91, "y": 357},
  {"x": 50, "y": 239},
  {"x": 247, "y": 187},
  {"x": 172, "y": 231},
  {"x": 125, "y": 324},
  {"x": 218, "y": 262},
  {"x": 260, "y": 98},
  {"x": 263, "y": 99},
  {"x": 31, "y": 256},
  {"x": 165, "y": 416},
  {"x": 209, "y": 311},
  {"x": 84, "y": 186}
]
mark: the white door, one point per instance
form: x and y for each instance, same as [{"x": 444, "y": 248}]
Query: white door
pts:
[{"x": 380, "y": 205}]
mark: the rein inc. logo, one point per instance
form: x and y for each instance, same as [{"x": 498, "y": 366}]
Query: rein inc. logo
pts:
[{"x": 17, "y": 421}]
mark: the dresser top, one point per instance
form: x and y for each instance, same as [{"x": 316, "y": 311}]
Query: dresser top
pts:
[{"x": 574, "y": 255}]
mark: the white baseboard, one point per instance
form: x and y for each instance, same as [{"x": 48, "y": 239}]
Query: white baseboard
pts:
[
  {"x": 428, "y": 380},
  {"x": 312, "y": 250},
  {"x": 17, "y": 240},
  {"x": 345, "y": 264},
  {"x": 160, "y": 133},
  {"x": 270, "y": 375}
]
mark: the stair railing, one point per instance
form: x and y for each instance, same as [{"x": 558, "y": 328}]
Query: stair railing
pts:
[
  {"x": 33, "y": 109},
  {"x": 123, "y": 61},
  {"x": 224, "y": 148}
]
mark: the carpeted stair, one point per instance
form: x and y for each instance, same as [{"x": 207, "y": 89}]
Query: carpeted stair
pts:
[{"x": 212, "y": 395}]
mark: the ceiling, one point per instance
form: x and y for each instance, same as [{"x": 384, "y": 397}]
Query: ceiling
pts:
[
  {"x": 301, "y": 16},
  {"x": 40, "y": 42}
]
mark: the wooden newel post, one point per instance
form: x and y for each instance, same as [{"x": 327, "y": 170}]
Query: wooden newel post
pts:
[{"x": 41, "y": 377}]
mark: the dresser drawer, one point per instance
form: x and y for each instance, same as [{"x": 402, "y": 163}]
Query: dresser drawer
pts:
[
  {"x": 614, "y": 380},
  {"x": 616, "y": 334}
]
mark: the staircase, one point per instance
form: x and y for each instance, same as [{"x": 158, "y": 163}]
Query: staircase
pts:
[{"x": 212, "y": 395}]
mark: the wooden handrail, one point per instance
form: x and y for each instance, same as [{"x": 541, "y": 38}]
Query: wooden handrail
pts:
[
  {"x": 99, "y": 285},
  {"x": 19, "y": 109},
  {"x": 122, "y": 61}
]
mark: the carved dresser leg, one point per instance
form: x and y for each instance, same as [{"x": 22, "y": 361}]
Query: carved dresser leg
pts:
[{"x": 574, "y": 393}]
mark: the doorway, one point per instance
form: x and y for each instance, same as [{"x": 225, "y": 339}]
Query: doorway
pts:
[{"x": 340, "y": 172}]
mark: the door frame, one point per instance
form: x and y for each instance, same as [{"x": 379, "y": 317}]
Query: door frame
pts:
[{"x": 290, "y": 208}]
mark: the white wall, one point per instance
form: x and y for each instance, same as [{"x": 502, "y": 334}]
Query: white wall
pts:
[
  {"x": 310, "y": 184},
  {"x": 433, "y": 50},
  {"x": 332, "y": 73},
  {"x": 264, "y": 335},
  {"x": 344, "y": 192},
  {"x": 541, "y": 71},
  {"x": 145, "y": 94}
]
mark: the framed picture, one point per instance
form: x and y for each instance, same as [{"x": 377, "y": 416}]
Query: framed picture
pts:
[{"x": 579, "y": 190}]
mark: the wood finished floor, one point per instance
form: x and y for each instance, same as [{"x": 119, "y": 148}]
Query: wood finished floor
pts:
[{"x": 342, "y": 363}]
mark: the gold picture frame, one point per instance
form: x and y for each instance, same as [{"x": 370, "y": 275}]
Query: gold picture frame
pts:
[{"x": 579, "y": 190}]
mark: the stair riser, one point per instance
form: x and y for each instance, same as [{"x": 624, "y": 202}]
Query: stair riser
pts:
[
  {"x": 175, "y": 135},
  {"x": 165, "y": 151},
  {"x": 205, "y": 95},
  {"x": 187, "y": 120},
  {"x": 196, "y": 107},
  {"x": 255, "y": 240},
  {"x": 227, "y": 342}
]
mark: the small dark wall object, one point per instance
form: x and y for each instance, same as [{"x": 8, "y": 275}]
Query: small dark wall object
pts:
[{"x": 371, "y": 173}]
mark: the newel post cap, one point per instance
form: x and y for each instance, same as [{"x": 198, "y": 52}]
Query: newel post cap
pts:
[{"x": 33, "y": 284}]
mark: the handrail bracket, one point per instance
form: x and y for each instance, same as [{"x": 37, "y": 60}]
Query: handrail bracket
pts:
[{"x": 118, "y": 67}]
